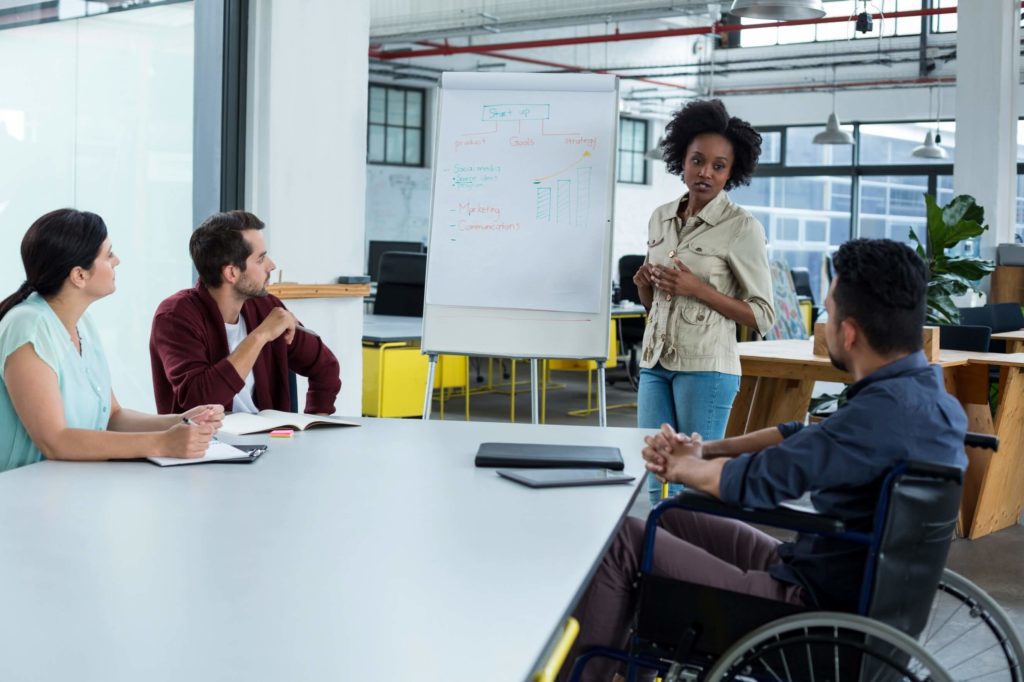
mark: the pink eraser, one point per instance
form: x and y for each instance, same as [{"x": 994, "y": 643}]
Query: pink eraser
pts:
[{"x": 281, "y": 433}]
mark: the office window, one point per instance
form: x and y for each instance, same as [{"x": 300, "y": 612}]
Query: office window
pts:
[
  {"x": 944, "y": 23},
  {"x": 805, "y": 218},
  {"x": 395, "y": 126},
  {"x": 633, "y": 145},
  {"x": 839, "y": 30},
  {"x": 18, "y": 13},
  {"x": 893, "y": 143},
  {"x": 801, "y": 150}
]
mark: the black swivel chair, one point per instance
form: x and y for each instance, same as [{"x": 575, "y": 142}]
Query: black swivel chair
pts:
[
  {"x": 802, "y": 285},
  {"x": 400, "y": 284},
  {"x": 631, "y": 330},
  {"x": 1006, "y": 317}
]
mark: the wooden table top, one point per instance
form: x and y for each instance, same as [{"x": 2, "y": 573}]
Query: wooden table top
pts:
[
  {"x": 1017, "y": 335},
  {"x": 800, "y": 352}
]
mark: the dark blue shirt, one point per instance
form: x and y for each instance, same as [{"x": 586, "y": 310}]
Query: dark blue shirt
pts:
[{"x": 900, "y": 412}]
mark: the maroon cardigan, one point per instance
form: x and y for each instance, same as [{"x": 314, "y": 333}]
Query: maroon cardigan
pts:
[{"x": 188, "y": 350}]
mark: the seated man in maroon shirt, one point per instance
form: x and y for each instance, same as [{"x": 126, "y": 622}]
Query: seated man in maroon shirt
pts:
[{"x": 227, "y": 340}]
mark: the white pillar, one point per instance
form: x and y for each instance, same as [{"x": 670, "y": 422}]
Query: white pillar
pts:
[
  {"x": 988, "y": 68},
  {"x": 306, "y": 152}
]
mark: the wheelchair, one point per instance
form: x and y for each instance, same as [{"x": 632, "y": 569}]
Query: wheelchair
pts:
[{"x": 915, "y": 620}]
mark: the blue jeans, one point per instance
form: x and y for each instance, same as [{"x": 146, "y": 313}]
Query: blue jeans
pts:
[{"x": 688, "y": 401}]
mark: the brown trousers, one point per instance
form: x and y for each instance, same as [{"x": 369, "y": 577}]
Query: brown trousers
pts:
[{"x": 696, "y": 548}]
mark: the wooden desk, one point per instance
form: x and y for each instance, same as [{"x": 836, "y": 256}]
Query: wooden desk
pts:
[
  {"x": 778, "y": 377},
  {"x": 1014, "y": 340},
  {"x": 337, "y": 555}
]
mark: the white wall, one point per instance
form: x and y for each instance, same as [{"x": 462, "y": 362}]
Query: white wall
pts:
[
  {"x": 96, "y": 114},
  {"x": 307, "y": 151}
]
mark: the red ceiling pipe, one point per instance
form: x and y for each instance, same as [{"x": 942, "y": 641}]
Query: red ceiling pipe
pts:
[{"x": 639, "y": 35}]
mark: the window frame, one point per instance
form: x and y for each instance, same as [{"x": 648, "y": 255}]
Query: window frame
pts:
[
  {"x": 620, "y": 150},
  {"x": 421, "y": 128}
]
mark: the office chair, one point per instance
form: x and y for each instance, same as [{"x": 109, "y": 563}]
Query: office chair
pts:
[
  {"x": 400, "y": 284},
  {"x": 1006, "y": 317},
  {"x": 376, "y": 248},
  {"x": 631, "y": 331}
]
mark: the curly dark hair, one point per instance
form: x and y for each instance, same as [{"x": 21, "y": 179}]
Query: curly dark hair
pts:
[
  {"x": 709, "y": 116},
  {"x": 882, "y": 284}
]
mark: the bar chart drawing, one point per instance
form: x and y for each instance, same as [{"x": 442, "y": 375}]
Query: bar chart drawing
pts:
[
  {"x": 564, "y": 201},
  {"x": 582, "y": 196},
  {"x": 543, "y": 203}
]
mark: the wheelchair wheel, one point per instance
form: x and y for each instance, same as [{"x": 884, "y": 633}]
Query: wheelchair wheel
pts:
[
  {"x": 970, "y": 635},
  {"x": 827, "y": 646}
]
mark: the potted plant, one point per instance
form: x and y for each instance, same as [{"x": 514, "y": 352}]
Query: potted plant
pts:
[{"x": 950, "y": 275}]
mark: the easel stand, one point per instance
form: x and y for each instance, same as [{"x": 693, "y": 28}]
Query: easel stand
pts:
[{"x": 534, "y": 390}]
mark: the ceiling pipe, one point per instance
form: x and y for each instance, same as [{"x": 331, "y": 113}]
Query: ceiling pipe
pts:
[
  {"x": 556, "y": 65},
  {"x": 717, "y": 28}
]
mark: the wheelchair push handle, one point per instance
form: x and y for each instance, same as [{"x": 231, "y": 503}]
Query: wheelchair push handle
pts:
[{"x": 981, "y": 440}]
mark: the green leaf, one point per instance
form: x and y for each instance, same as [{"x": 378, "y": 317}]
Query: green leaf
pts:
[
  {"x": 963, "y": 208},
  {"x": 972, "y": 269},
  {"x": 941, "y": 309},
  {"x": 935, "y": 225},
  {"x": 965, "y": 229}
]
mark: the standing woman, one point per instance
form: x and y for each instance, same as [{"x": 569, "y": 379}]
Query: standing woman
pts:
[
  {"x": 706, "y": 270},
  {"x": 55, "y": 396}
]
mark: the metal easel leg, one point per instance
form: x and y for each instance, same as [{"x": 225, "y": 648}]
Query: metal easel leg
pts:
[
  {"x": 534, "y": 393},
  {"x": 602, "y": 399},
  {"x": 429, "y": 391}
]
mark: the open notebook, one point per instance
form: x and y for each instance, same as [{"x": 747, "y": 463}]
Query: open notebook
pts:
[
  {"x": 217, "y": 451},
  {"x": 242, "y": 423}
]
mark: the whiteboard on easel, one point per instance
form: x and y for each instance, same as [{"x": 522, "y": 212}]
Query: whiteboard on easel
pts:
[{"x": 519, "y": 260}]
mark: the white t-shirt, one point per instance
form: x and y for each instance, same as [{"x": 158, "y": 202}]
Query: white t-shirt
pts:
[{"x": 243, "y": 401}]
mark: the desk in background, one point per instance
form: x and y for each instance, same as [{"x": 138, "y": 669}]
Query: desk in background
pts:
[
  {"x": 342, "y": 554},
  {"x": 395, "y": 371},
  {"x": 1014, "y": 340},
  {"x": 778, "y": 378}
]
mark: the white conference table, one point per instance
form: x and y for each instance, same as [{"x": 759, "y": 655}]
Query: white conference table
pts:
[{"x": 377, "y": 552}]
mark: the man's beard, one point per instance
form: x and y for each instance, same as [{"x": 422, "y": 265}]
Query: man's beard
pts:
[
  {"x": 248, "y": 288},
  {"x": 836, "y": 362}
]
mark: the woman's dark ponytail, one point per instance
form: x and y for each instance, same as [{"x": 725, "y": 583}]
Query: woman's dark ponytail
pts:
[
  {"x": 54, "y": 245},
  {"x": 14, "y": 299}
]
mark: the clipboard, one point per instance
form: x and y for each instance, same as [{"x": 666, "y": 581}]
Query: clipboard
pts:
[{"x": 231, "y": 454}]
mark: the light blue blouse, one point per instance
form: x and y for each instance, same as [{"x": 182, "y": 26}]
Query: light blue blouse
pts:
[{"x": 84, "y": 380}]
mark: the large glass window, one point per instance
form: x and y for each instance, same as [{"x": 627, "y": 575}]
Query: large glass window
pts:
[
  {"x": 394, "y": 134},
  {"x": 633, "y": 145},
  {"x": 805, "y": 218},
  {"x": 96, "y": 114},
  {"x": 894, "y": 143},
  {"x": 840, "y": 30},
  {"x": 18, "y": 13}
]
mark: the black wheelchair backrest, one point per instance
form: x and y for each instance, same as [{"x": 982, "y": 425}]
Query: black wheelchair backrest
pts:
[{"x": 920, "y": 503}]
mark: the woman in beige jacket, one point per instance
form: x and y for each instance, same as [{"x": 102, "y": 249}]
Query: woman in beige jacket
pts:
[{"x": 706, "y": 271}]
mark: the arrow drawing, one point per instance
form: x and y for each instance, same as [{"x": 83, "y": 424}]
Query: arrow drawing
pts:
[{"x": 585, "y": 155}]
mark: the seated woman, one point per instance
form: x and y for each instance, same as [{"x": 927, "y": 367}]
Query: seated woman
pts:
[{"x": 55, "y": 395}]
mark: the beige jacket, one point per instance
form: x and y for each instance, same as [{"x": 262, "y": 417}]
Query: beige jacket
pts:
[{"x": 725, "y": 246}]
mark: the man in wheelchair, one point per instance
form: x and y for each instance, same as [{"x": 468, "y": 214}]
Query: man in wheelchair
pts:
[{"x": 897, "y": 410}]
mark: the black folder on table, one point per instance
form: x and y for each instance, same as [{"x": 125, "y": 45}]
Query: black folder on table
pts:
[{"x": 544, "y": 456}]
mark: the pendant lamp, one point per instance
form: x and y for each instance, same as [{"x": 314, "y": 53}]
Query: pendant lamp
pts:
[
  {"x": 833, "y": 134},
  {"x": 778, "y": 10},
  {"x": 930, "y": 149}
]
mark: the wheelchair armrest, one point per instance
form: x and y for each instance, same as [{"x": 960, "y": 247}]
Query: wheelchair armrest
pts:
[{"x": 789, "y": 519}]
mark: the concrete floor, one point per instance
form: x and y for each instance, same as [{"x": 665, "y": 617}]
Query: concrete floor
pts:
[{"x": 995, "y": 563}]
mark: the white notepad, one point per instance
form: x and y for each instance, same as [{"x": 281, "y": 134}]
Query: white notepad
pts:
[
  {"x": 218, "y": 451},
  {"x": 243, "y": 423}
]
